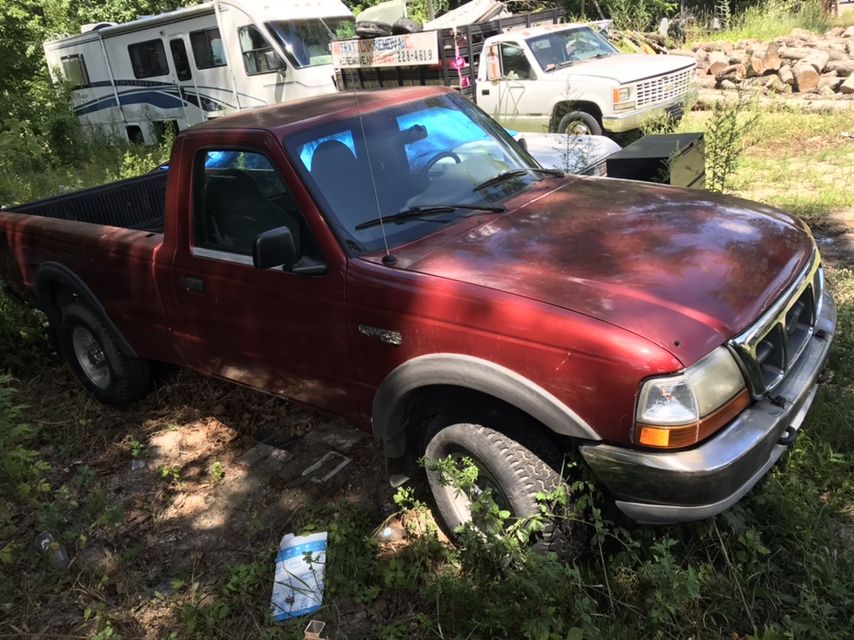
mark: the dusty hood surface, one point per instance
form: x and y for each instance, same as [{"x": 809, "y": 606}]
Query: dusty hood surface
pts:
[
  {"x": 625, "y": 67},
  {"x": 686, "y": 269}
]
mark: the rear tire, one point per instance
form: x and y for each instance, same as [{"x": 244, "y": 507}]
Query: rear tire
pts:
[
  {"x": 579, "y": 123},
  {"x": 95, "y": 356},
  {"x": 516, "y": 470}
]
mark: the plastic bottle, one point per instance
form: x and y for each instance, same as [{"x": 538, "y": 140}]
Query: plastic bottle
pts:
[{"x": 48, "y": 546}]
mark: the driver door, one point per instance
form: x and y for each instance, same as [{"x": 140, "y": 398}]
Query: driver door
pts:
[
  {"x": 271, "y": 329},
  {"x": 504, "y": 95}
]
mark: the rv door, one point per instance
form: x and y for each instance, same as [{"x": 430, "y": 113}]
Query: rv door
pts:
[{"x": 185, "y": 80}]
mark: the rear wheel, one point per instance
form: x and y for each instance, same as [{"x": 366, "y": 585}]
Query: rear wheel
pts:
[
  {"x": 515, "y": 470},
  {"x": 94, "y": 353}
]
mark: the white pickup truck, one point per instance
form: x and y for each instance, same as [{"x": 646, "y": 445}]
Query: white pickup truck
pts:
[{"x": 529, "y": 72}]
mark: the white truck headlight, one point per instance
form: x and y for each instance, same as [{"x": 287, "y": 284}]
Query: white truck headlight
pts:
[
  {"x": 621, "y": 94},
  {"x": 621, "y": 97},
  {"x": 680, "y": 410}
]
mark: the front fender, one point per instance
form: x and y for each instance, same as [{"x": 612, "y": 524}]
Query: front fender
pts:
[{"x": 467, "y": 372}]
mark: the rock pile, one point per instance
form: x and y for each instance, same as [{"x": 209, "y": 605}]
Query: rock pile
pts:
[{"x": 802, "y": 62}]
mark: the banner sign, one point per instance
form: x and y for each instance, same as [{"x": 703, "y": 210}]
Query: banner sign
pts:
[{"x": 390, "y": 51}]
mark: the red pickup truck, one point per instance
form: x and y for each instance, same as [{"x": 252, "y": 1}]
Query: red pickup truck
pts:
[{"x": 395, "y": 259}]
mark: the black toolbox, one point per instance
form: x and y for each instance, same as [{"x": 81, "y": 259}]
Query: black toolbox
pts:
[{"x": 678, "y": 159}]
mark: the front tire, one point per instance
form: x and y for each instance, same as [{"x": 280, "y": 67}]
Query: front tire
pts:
[
  {"x": 93, "y": 352},
  {"x": 516, "y": 471},
  {"x": 579, "y": 123}
]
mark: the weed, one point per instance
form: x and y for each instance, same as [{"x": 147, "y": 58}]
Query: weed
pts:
[
  {"x": 22, "y": 470},
  {"x": 724, "y": 139},
  {"x": 768, "y": 19},
  {"x": 217, "y": 472},
  {"x": 24, "y": 340},
  {"x": 170, "y": 474},
  {"x": 136, "y": 448}
]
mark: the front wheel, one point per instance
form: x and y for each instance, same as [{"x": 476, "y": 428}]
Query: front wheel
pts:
[
  {"x": 579, "y": 123},
  {"x": 515, "y": 472},
  {"x": 95, "y": 356}
]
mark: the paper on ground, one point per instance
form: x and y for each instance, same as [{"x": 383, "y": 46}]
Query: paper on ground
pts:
[{"x": 300, "y": 573}]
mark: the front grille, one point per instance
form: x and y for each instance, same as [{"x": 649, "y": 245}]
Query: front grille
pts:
[
  {"x": 664, "y": 88},
  {"x": 775, "y": 342}
]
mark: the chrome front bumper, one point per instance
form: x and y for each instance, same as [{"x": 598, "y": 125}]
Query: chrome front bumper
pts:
[
  {"x": 665, "y": 487},
  {"x": 622, "y": 122}
]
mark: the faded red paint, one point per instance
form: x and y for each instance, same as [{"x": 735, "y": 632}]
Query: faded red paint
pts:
[{"x": 584, "y": 286}]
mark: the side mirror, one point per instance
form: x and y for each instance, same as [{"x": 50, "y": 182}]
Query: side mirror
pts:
[
  {"x": 493, "y": 68},
  {"x": 274, "y": 248}
]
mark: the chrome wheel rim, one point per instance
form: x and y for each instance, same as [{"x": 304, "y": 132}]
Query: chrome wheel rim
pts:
[
  {"x": 577, "y": 128},
  {"x": 91, "y": 357}
]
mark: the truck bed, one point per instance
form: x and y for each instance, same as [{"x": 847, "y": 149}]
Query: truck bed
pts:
[
  {"x": 465, "y": 41},
  {"x": 136, "y": 203}
]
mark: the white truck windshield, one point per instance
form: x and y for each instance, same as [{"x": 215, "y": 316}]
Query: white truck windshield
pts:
[
  {"x": 306, "y": 42},
  {"x": 562, "y": 48}
]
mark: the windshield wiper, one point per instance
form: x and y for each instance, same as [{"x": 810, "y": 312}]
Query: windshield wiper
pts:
[
  {"x": 426, "y": 210},
  {"x": 551, "y": 172},
  {"x": 501, "y": 177}
]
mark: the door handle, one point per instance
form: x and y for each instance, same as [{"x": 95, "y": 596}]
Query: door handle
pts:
[{"x": 194, "y": 285}]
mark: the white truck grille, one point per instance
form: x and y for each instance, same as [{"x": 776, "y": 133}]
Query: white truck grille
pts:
[{"x": 664, "y": 88}]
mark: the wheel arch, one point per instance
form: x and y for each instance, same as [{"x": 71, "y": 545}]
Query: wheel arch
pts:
[
  {"x": 392, "y": 402},
  {"x": 562, "y": 107},
  {"x": 53, "y": 280}
]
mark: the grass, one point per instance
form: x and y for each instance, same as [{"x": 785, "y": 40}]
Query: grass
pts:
[
  {"x": 780, "y": 564},
  {"x": 796, "y": 161},
  {"x": 773, "y": 18}
]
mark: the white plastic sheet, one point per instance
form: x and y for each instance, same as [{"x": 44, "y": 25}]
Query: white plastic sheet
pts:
[{"x": 300, "y": 576}]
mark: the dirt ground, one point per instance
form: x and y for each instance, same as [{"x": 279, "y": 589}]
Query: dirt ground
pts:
[
  {"x": 202, "y": 474},
  {"x": 834, "y": 234}
]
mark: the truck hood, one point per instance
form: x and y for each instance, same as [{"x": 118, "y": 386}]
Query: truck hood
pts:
[
  {"x": 625, "y": 68},
  {"x": 686, "y": 269}
]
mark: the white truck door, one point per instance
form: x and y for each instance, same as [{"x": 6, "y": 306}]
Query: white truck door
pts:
[{"x": 504, "y": 95}]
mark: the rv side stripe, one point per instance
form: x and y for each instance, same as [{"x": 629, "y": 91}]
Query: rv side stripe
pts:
[{"x": 168, "y": 99}]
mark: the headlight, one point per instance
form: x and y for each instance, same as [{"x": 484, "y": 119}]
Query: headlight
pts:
[
  {"x": 681, "y": 410},
  {"x": 621, "y": 94}
]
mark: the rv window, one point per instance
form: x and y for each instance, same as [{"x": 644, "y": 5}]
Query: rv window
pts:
[
  {"x": 74, "y": 69},
  {"x": 258, "y": 55},
  {"x": 180, "y": 60},
  {"x": 208, "y": 49},
  {"x": 306, "y": 42},
  {"x": 148, "y": 59}
]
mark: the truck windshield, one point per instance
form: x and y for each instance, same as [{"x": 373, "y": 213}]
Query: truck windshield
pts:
[
  {"x": 306, "y": 42},
  {"x": 562, "y": 48},
  {"x": 436, "y": 152}
]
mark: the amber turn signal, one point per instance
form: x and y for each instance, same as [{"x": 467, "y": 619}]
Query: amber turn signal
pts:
[{"x": 688, "y": 434}]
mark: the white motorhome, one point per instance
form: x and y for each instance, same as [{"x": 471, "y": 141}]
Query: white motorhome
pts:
[{"x": 186, "y": 66}]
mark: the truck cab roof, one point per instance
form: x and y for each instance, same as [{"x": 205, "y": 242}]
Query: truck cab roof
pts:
[{"x": 335, "y": 106}]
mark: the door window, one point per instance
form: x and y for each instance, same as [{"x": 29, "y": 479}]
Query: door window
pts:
[
  {"x": 239, "y": 195},
  {"x": 515, "y": 65},
  {"x": 180, "y": 59},
  {"x": 258, "y": 54},
  {"x": 208, "y": 49}
]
